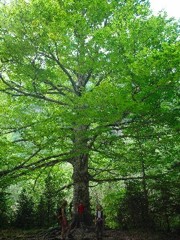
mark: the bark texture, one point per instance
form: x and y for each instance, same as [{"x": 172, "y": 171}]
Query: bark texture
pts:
[{"x": 80, "y": 168}]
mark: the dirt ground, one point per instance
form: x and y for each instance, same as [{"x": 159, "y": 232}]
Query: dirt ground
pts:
[{"x": 54, "y": 234}]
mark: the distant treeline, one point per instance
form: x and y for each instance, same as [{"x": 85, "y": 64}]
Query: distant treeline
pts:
[{"x": 154, "y": 205}]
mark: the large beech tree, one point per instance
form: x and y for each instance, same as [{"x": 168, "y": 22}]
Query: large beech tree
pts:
[{"x": 81, "y": 81}]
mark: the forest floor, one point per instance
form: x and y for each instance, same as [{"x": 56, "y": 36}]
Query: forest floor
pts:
[{"x": 54, "y": 234}]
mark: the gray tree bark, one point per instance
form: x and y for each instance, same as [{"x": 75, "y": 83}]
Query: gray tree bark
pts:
[{"x": 80, "y": 168}]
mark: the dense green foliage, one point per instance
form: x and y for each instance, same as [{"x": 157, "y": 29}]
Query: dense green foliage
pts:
[
  {"x": 92, "y": 84},
  {"x": 133, "y": 209},
  {"x": 32, "y": 208},
  {"x": 25, "y": 213},
  {"x": 3, "y": 209}
]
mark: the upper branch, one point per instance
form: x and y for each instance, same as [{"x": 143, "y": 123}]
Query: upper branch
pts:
[
  {"x": 17, "y": 90},
  {"x": 63, "y": 68}
]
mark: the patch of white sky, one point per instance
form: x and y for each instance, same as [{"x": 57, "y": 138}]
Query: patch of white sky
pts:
[{"x": 172, "y": 7}]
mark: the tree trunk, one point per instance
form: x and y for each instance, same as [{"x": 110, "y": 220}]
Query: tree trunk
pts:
[
  {"x": 145, "y": 213},
  {"x": 81, "y": 181},
  {"x": 80, "y": 167}
]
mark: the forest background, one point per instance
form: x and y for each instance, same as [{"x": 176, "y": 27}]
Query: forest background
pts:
[{"x": 89, "y": 111}]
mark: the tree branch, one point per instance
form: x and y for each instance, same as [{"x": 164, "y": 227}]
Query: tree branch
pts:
[
  {"x": 63, "y": 68},
  {"x": 155, "y": 177},
  {"x": 20, "y": 92}
]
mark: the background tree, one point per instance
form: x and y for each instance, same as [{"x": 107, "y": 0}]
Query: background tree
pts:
[
  {"x": 3, "y": 209},
  {"x": 48, "y": 203},
  {"x": 25, "y": 211},
  {"x": 41, "y": 213}
]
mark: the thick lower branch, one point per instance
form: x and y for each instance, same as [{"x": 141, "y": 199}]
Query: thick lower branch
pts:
[
  {"x": 155, "y": 177},
  {"x": 37, "y": 164}
]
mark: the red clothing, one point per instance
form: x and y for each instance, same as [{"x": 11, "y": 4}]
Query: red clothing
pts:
[{"x": 81, "y": 208}]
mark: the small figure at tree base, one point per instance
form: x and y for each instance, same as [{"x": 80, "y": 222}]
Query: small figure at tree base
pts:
[{"x": 99, "y": 222}]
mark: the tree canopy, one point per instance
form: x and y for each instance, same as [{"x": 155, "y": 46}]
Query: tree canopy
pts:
[{"x": 92, "y": 83}]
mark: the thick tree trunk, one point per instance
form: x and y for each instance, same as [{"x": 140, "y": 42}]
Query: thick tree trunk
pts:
[
  {"x": 81, "y": 181},
  {"x": 80, "y": 167}
]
